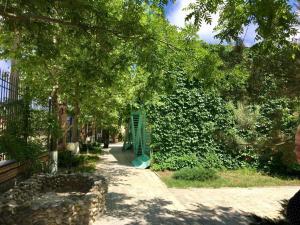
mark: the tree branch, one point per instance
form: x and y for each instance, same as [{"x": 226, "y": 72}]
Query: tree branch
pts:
[{"x": 44, "y": 19}]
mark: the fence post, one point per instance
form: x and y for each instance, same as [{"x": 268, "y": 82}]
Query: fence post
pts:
[{"x": 26, "y": 114}]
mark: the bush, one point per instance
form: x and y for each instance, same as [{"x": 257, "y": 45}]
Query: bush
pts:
[
  {"x": 77, "y": 163},
  {"x": 277, "y": 124},
  {"x": 257, "y": 131},
  {"x": 27, "y": 152},
  {"x": 187, "y": 124},
  {"x": 18, "y": 149},
  {"x": 66, "y": 159},
  {"x": 94, "y": 148},
  {"x": 195, "y": 174},
  {"x": 174, "y": 162},
  {"x": 279, "y": 115},
  {"x": 212, "y": 160},
  {"x": 192, "y": 126}
]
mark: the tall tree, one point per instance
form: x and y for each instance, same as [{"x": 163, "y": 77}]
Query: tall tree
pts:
[{"x": 64, "y": 48}]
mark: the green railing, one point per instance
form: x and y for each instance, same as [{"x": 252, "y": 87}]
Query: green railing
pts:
[{"x": 138, "y": 138}]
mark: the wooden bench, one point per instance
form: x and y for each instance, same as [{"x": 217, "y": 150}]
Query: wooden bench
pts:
[{"x": 10, "y": 169}]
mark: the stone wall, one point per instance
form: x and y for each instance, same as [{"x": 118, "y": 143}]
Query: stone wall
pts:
[{"x": 64, "y": 199}]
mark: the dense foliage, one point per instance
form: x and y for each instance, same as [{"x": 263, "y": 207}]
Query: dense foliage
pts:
[
  {"x": 67, "y": 159},
  {"x": 194, "y": 124},
  {"x": 187, "y": 125},
  {"x": 257, "y": 90},
  {"x": 274, "y": 19},
  {"x": 81, "y": 53},
  {"x": 214, "y": 105}
]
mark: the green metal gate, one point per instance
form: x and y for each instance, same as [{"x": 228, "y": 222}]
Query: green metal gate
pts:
[{"x": 138, "y": 138}]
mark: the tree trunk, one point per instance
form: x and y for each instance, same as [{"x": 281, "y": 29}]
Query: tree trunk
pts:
[
  {"x": 14, "y": 76},
  {"x": 105, "y": 136},
  {"x": 75, "y": 133},
  {"x": 63, "y": 125},
  {"x": 53, "y": 141},
  {"x": 55, "y": 112},
  {"x": 14, "y": 82},
  {"x": 93, "y": 132},
  {"x": 75, "y": 127}
]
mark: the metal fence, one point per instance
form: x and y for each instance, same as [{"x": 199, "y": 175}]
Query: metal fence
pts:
[{"x": 11, "y": 104}]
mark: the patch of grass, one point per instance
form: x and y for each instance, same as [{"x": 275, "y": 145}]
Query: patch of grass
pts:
[
  {"x": 231, "y": 178},
  {"x": 195, "y": 174},
  {"x": 89, "y": 164},
  {"x": 90, "y": 158},
  {"x": 85, "y": 168}
]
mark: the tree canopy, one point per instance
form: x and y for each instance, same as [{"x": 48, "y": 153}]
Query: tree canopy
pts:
[
  {"x": 105, "y": 58},
  {"x": 275, "y": 19},
  {"x": 85, "y": 53}
]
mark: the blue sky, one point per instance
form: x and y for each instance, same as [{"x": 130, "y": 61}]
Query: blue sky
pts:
[
  {"x": 176, "y": 16},
  {"x": 4, "y": 65}
]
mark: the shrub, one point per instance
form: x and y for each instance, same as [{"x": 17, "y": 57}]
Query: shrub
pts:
[
  {"x": 257, "y": 131},
  {"x": 18, "y": 149},
  {"x": 211, "y": 160},
  {"x": 192, "y": 125},
  {"x": 278, "y": 123},
  {"x": 27, "y": 152},
  {"x": 174, "y": 162},
  {"x": 66, "y": 159},
  {"x": 186, "y": 124},
  {"x": 95, "y": 148},
  {"x": 278, "y": 114},
  {"x": 196, "y": 174}
]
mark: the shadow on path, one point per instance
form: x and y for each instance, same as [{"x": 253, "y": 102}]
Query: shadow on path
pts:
[
  {"x": 156, "y": 211},
  {"x": 123, "y": 158},
  {"x": 116, "y": 171},
  {"x": 257, "y": 220},
  {"x": 137, "y": 197}
]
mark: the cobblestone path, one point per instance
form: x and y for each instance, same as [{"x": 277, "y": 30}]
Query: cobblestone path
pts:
[{"x": 137, "y": 197}]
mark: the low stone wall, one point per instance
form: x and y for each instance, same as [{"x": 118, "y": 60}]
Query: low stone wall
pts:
[{"x": 63, "y": 199}]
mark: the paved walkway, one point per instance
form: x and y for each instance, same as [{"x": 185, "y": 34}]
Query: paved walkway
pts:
[{"x": 138, "y": 197}]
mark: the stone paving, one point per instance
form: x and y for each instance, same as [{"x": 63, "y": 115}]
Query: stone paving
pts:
[{"x": 137, "y": 197}]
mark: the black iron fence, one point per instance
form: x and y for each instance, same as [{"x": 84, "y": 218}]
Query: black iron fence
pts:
[
  {"x": 10, "y": 100},
  {"x": 21, "y": 115},
  {"x": 11, "y": 105}
]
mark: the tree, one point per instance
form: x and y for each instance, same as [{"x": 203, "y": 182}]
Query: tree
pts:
[
  {"x": 273, "y": 61},
  {"x": 275, "y": 19},
  {"x": 75, "y": 50}
]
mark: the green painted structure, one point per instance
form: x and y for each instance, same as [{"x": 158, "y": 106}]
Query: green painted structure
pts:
[{"x": 138, "y": 138}]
